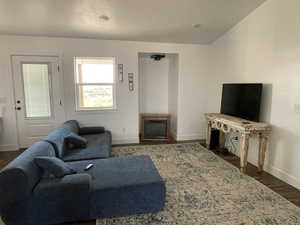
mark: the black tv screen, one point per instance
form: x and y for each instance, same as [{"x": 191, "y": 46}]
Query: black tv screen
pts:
[{"x": 242, "y": 100}]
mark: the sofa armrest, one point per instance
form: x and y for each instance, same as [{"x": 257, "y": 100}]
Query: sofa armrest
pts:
[
  {"x": 70, "y": 185},
  {"x": 91, "y": 130},
  {"x": 55, "y": 201}
]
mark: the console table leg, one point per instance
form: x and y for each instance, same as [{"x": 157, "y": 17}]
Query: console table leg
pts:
[
  {"x": 263, "y": 140},
  {"x": 208, "y": 136},
  {"x": 244, "y": 151},
  {"x": 222, "y": 140}
]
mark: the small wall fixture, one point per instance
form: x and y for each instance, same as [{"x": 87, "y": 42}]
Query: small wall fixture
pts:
[
  {"x": 130, "y": 82},
  {"x": 157, "y": 57},
  {"x": 103, "y": 18},
  {"x": 197, "y": 26}
]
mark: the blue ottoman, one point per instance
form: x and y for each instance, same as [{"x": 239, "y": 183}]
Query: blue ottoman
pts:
[{"x": 123, "y": 186}]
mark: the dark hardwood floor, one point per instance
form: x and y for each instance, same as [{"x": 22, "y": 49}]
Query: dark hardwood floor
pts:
[{"x": 287, "y": 191}]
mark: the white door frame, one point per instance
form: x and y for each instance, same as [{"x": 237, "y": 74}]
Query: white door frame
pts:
[{"x": 61, "y": 83}]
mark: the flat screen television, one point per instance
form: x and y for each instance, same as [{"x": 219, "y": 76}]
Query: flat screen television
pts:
[{"x": 242, "y": 100}]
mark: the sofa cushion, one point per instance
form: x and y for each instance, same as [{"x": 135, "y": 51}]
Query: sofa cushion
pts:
[
  {"x": 123, "y": 186},
  {"x": 57, "y": 136},
  {"x": 99, "y": 146},
  {"x": 54, "y": 166},
  {"x": 20, "y": 176},
  {"x": 74, "y": 141},
  {"x": 91, "y": 130}
]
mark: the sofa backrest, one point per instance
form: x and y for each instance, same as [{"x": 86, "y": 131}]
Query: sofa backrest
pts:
[
  {"x": 74, "y": 125},
  {"x": 57, "y": 136},
  {"x": 19, "y": 177}
]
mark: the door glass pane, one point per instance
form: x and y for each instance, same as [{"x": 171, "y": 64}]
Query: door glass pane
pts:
[
  {"x": 36, "y": 90},
  {"x": 96, "y": 96}
]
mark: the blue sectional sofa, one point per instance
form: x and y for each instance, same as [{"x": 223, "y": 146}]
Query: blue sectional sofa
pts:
[
  {"x": 118, "y": 186},
  {"x": 98, "y": 147}
]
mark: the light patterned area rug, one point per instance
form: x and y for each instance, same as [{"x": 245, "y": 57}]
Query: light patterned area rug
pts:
[{"x": 203, "y": 189}]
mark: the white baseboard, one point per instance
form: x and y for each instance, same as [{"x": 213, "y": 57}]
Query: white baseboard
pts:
[
  {"x": 7, "y": 148},
  {"x": 127, "y": 140},
  {"x": 276, "y": 172},
  {"x": 282, "y": 175},
  {"x": 190, "y": 137}
]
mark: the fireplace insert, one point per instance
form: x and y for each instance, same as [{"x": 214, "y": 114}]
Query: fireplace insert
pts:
[{"x": 155, "y": 127}]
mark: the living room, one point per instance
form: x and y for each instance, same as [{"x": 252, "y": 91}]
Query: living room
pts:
[{"x": 203, "y": 45}]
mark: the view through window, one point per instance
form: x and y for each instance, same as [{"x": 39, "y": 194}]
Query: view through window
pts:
[{"x": 95, "y": 83}]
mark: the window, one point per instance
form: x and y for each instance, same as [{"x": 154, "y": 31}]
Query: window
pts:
[{"x": 95, "y": 83}]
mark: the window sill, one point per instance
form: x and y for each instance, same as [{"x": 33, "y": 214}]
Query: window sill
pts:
[{"x": 95, "y": 111}]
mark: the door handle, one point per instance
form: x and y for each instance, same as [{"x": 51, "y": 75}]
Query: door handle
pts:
[{"x": 18, "y": 108}]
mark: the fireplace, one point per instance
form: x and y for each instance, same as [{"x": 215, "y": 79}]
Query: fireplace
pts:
[{"x": 155, "y": 127}]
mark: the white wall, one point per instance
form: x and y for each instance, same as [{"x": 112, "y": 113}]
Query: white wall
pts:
[
  {"x": 153, "y": 79},
  {"x": 193, "y": 94},
  {"x": 124, "y": 121},
  {"x": 265, "y": 47}
]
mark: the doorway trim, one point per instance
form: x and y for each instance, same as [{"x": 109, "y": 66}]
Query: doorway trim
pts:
[{"x": 13, "y": 98}]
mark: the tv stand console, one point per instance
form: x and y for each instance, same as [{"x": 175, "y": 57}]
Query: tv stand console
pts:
[{"x": 246, "y": 128}]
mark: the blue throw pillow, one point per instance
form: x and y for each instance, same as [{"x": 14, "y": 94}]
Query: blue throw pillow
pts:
[
  {"x": 54, "y": 166},
  {"x": 75, "y": 141}
]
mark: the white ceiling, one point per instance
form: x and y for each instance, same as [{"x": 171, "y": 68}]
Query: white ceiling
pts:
[{"x": 135, "y": 20}]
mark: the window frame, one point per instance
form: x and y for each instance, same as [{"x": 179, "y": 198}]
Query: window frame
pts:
[{"x": 78, "y": 108}]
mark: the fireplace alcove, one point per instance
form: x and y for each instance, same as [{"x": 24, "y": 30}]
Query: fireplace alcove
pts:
[{"x": 158, "y": 97}]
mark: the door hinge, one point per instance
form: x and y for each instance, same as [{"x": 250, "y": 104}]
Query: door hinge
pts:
[{"x": 58, "y": 68}]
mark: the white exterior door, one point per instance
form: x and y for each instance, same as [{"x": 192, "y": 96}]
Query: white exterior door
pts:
[{"x": 38, "y": 97}]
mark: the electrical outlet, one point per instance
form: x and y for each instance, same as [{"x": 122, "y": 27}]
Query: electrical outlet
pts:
[
  {"x": 297, "y": 108},
  {"x": 124, "y": 130}
]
